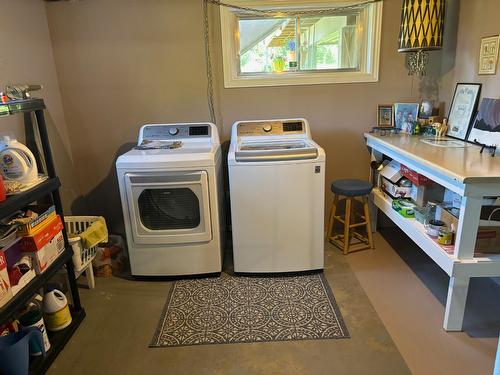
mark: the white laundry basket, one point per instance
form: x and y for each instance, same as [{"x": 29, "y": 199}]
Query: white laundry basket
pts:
[{"x": 82, "y": 257}]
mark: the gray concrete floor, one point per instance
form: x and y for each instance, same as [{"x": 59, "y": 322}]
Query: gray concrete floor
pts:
[
  {"x": 122, "y": 316},
  {"x": 408, "y": 291}
]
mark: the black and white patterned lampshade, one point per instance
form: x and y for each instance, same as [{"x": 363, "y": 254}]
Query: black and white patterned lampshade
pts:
[{"x": 422, "y": 25}]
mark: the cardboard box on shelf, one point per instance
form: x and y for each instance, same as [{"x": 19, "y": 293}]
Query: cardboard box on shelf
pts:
[
  {"x": 404, "y": 207},
  {"x": 488, "y": 240},
  {"x": 5, "y": 290},
  {"x": 421, "y": 194},
  {"x": 13, "y": 254},
  {"x": 394, "y": 190},
  {"x": 45, "y": 214},
  {"x": 414, "y": 177},
  {"x": 448, "y": 215},
  {"x": 452, "y": 199},
  {"x": 42, "y": 236},
  {"x": 45, "y": 256},
  {"x": 488, "y": 236},
  {"x": 392, "y": 171}
]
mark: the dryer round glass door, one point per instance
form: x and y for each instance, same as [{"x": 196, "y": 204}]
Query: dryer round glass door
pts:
[{"x": 169, "y": 208}]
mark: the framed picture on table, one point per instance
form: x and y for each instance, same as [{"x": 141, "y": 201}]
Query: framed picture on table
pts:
[
  {"x": 486, "y": 128},
  {"x": 463, "y": 109},
  {"x": 405, "y": 116},
  {"x": 384, "y": 116},
  {"x": 426, "y": 109}
]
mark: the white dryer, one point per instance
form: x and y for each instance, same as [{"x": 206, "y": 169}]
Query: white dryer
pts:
[
  {"x": 170, "y": 188},
  {"x": 277, "y": 182}
]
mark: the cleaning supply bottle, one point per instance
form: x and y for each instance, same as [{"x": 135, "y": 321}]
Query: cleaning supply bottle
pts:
[
  {"x": 17, "y": 161},
  {"x": 56, "y": 310},
  {"x": 34, "y": 318}
]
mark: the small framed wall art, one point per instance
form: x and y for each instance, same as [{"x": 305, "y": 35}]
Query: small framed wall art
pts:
[
  {"x": 462, "y": 110},
  {"x": 488, "y": 56},
  {"x": 384, "y": 115},
  {"x": 405, "y": 115}
]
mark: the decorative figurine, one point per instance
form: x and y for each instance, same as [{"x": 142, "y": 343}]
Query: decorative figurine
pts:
[{"x": 441, "y": 128}]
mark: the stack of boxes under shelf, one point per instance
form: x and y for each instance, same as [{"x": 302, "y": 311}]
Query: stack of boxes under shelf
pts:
[{"x": 38, "y": 244}]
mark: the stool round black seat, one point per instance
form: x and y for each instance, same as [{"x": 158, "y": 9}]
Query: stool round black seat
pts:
[{"x": 351, "y": 187}]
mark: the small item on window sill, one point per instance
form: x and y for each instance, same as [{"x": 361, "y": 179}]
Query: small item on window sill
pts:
[{"x": 3, "y": 98}]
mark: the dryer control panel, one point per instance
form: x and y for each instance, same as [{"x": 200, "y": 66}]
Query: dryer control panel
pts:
[
  {"x": 274, "y": 127},
  {"x": 162, "y": 132}
]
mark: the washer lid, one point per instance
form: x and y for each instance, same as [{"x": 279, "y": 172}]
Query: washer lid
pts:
[{"x": 276, "y": 150}]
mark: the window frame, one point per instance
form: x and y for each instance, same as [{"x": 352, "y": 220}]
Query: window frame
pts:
[{"x": 369, "y": 62}]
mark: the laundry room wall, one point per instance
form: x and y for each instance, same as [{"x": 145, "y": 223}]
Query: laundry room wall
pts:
[
  {"x": 26, "y": 57},
  {"x": 122, "y": 63},
  {"x": 477, "y": 19}
]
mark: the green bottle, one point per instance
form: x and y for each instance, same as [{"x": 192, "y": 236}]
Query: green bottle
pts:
[{"x": 416, "y": 129}]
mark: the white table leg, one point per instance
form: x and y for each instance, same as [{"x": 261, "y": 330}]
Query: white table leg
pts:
[
  {"x": 375, "y": 156},
  {"x": 455, "y": 303},
  {"x": 470, "y": 212}
]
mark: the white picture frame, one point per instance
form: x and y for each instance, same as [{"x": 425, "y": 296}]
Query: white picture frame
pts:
[{"x": 488, "y": 55}]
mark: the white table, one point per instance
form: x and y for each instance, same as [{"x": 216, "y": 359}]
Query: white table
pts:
[{"x": 464, "y": 171}]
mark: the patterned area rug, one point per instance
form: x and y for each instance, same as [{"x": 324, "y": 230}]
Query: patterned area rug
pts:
[{"x": 237, "y": 309}]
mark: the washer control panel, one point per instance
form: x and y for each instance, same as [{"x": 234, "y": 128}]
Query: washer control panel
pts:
[
  {"x": 256, "y": 128},
  {"x": 156, "y": 132}
]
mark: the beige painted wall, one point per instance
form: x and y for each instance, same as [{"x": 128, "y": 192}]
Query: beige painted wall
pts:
[
  {"x": 26, "y": 57},
  {"x": 477, "y": 19},
  {"x": 122, "y": 63}
]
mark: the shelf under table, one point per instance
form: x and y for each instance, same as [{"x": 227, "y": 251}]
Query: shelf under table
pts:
[{"x": 479, "y": 266}]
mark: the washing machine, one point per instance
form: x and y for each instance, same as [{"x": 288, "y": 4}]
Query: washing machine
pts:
[
  {"x": 277, "y": 182},
  {"x": 171, "y": 194}
]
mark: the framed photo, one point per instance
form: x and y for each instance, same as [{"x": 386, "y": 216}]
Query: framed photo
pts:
[
  {"x": 486, "y": 128},
  {"x": 462, "y": 110},
  {"x": 405, "y": 115},
  {"x": 384, "y": 115},
  {"x": 426, "y": 109},
  {"x": 488, "y": 56}
]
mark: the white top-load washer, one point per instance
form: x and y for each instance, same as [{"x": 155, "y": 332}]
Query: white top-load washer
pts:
[
  {"x": 171, "y": 193},
  {"x": 277, "y": 184}
]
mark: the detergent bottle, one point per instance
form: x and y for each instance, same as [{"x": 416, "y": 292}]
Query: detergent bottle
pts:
[
  {"x": 17, "y": 161},
  {"x": 56, "y": 310}
]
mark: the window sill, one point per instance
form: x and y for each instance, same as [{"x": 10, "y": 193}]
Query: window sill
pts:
[{"x": 297, "y": 78}]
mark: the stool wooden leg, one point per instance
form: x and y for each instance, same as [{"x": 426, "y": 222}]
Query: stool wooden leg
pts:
[
  {"x": 347, "y": 223},
  {"x": 333, "y": 211},
  {"x": 368, "y": 220}
]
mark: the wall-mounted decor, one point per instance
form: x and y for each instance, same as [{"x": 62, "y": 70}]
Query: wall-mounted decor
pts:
[
  {"x": 384, "y": 115},
  {"x": 488, "y": 56},
  {"x": 422, "y": 24},
  {"x": 426, "y": 109},
  {"x": 463, "y": 108},
  {"x": 486, "y": 128},
  {"x": 405, "y": 115}
]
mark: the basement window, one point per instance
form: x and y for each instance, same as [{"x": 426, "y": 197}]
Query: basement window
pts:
[{"x": 307, "y": 49}]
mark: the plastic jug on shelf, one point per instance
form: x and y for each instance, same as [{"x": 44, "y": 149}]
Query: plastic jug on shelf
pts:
[
  {"x": 17, "y": 161},
  {"x": 56, "y": 310}
]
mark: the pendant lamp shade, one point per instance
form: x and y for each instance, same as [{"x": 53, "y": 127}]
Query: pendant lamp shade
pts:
[{"x": 422, "y": 25}]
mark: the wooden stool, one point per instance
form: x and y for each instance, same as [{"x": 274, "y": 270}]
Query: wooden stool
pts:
[{"x": 350, "y": 189}]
